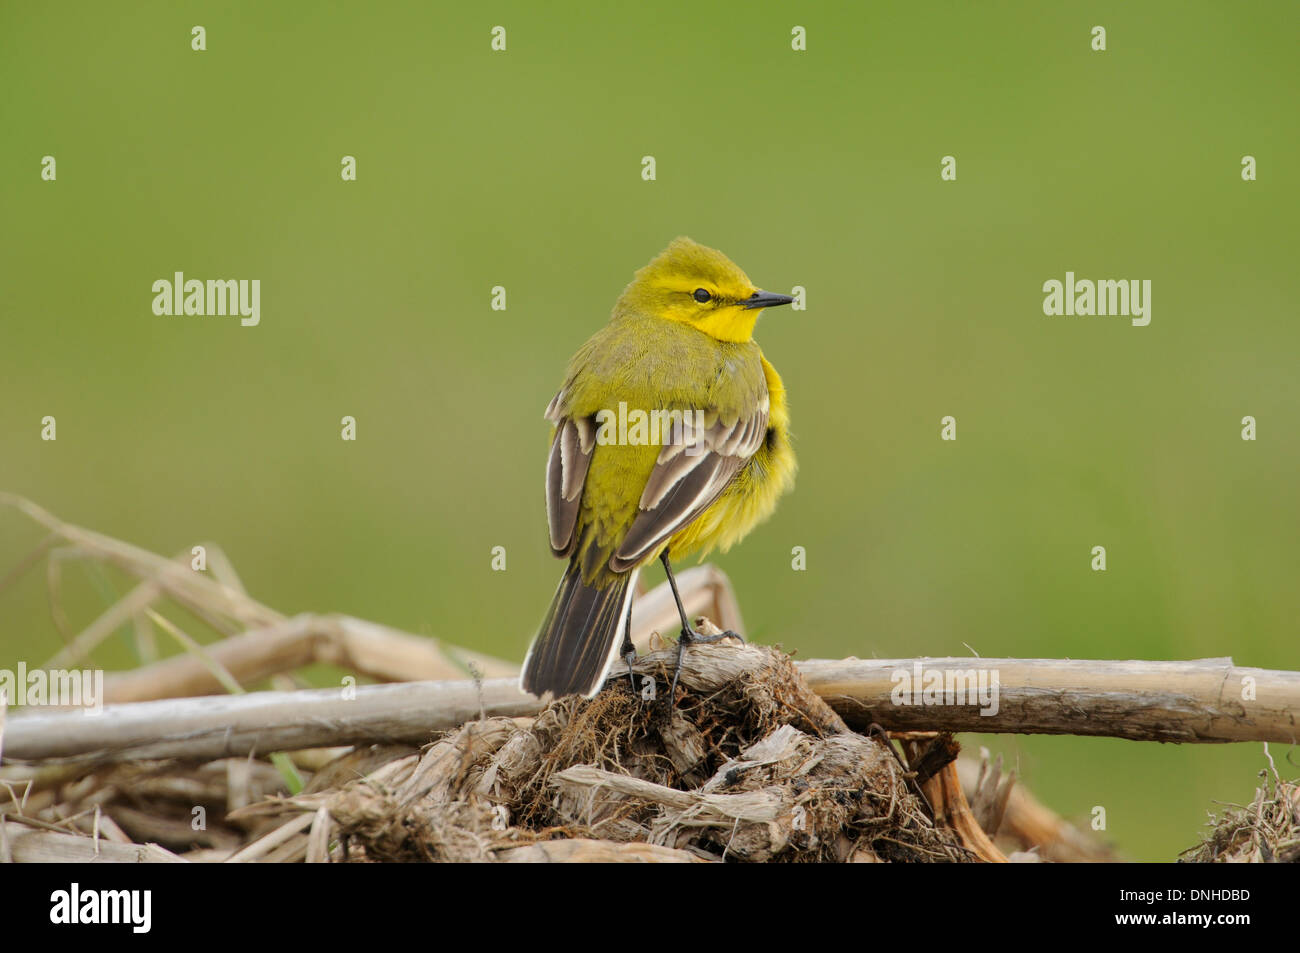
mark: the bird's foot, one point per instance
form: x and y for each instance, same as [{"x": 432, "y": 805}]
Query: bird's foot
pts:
[
  {"x": 691, "y": 637},
  {"x": 628, "y": 654}
]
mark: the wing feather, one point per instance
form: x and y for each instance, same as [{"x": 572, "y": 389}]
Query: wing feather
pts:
[
  {"x": 566, "y": 472},
  {"x": 690, "y": 473}
]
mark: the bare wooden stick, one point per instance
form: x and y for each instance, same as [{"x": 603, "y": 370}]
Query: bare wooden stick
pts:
[
  {"x": 1152, "y": 701},
  {"x": 950, "y": 806},
  {"x": 355, "y": 644},
  {"x": 318, "y": 841},
  {"x": 190, "y": 588},
  {"x": 260, "y": 722},
  {"x": 1206, "y": 700},
  {"x": 586, "y": 850},
  {"x": 389, "y": 654},
  {"x": 37, "y": 846},
  {"x": 265, "y": 845}
]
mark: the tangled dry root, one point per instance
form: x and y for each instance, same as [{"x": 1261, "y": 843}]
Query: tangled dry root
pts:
[
  {"x": 1265, "y": 831},
  {"x": 747, "y": 765}
]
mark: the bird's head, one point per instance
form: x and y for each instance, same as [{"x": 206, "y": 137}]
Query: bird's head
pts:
[{"x": 699, "y": 286}]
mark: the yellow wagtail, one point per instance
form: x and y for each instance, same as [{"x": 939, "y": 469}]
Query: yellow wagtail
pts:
[{"x": 671, "y": 437}]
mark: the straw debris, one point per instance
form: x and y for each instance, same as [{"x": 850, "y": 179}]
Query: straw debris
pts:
[
  {"x": 755, "y": 759},
  {"x": 755, "y": 768},
  {"x": 1265, "y": 831}
]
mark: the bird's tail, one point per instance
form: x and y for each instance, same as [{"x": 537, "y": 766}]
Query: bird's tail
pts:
[{"x": 580, "y": 636}]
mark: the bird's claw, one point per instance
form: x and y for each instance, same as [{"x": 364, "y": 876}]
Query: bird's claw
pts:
[{"x": 690, "y": 635}]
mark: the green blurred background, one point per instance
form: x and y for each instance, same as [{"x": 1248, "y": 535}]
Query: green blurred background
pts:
[{"x": 818, "y": 168}]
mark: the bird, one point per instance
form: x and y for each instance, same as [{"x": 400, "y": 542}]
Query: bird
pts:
[{"x": 678, "y": 350}]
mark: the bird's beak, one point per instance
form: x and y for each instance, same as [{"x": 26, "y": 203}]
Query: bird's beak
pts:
[{"x": 764, "y": 299}]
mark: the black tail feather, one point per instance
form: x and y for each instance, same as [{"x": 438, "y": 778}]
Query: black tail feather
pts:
[{"x": 581, "y": 632}]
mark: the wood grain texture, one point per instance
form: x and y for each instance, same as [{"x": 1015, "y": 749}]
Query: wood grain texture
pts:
[{"x": 1196, "y": 701}]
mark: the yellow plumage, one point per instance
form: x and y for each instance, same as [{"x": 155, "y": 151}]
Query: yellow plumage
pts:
[
  {"x": 753, "y": 493},
  {"x": 678, "y": 348}
]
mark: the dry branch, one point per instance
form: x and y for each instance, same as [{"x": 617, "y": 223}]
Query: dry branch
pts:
[
  {"x": 30, "y": 846},
  {"x": 259, "y": 723},
  {"x": 364, "y": 647},
  {"x": 1154, "y": 701},
  {"x": 384, "y": 653},
  {"x": 1192, "y": 701},
  {"x": 584, "y": 850}
]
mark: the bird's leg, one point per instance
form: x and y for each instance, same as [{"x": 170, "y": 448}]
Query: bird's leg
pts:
[
  {"x": 628, "y": 651},
  {"x": 688, "y": 634}
]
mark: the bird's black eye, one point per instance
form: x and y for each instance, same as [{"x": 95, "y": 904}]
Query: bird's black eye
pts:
[{"x": 700, "y": 295}]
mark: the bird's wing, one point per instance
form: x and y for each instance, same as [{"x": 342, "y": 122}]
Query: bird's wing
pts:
[
  {"x": 566, "y": 472},
  {"x": 691, "y": 471}
]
